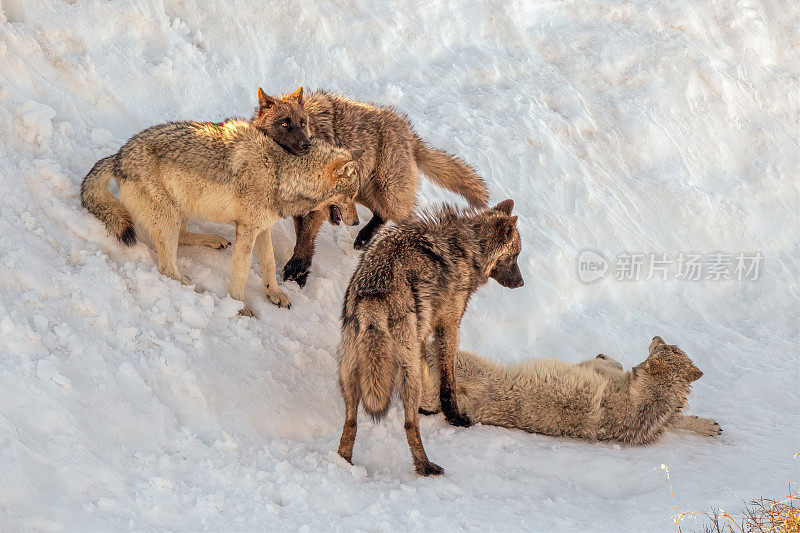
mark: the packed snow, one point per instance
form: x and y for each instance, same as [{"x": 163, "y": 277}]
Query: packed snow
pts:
[{"x": 129, "y": 401}]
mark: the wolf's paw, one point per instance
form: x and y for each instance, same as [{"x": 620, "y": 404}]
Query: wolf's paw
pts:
[
  {"x": 279, "y": 298},
  {"x": 426, "y": 412},
  {"x": 296, "y": 269},
  {"x": 459, "y": 420},
  {"x": 220, "y": 244},
  {"x": 429, "y": 469},
  {"x": 245, "y": 311},
  {"x": 346, "y": 457},
  {"x": 708, "y": 427}
]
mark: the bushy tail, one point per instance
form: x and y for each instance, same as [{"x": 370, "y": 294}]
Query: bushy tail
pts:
[
  {"x": 97, "y": 198},
  {"x": 377, "y": 367},
  {"x": 368, "y": 361},
  {"x": 451, "y": 173}
]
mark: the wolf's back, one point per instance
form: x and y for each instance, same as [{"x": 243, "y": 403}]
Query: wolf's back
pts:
[{"x": 98, "y": 200}]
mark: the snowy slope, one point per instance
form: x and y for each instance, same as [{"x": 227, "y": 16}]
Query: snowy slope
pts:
[{"x": 129, "y": 401}]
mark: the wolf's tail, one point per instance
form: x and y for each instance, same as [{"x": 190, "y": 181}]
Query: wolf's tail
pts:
[
  {"x": 451, "y": 173},
  {"x": 376, "y": 370},
  {"x": 97, "y": 198},
  {"x": 369, "y": 359}
]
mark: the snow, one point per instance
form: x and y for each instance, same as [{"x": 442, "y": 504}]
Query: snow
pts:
[{"x": 128, "y": 401}]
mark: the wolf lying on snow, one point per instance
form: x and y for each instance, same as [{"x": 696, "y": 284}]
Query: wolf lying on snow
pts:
[
  {"x": 229, "y": 172},
  {"x": 415, "y": 280},
  {"x": 594, "y": 400}
]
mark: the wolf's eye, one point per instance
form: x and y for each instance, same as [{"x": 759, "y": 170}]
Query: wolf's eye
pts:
[
  {"x": 303, "y": 124},
  {"x": 285, "y": 124}
]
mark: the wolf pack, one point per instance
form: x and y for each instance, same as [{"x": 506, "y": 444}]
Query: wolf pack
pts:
[{"x": 313, "y": 158}]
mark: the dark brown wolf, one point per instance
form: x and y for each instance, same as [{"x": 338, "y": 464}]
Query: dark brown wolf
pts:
[
  {"x": 393, "y": 157},
  {"x": 414, "y": 281}
]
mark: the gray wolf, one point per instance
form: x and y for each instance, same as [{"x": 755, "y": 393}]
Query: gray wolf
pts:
[
  {"x": 413, "y": 281},
  {"x": 228, "y": 172},
  {"x": 593, "y": 400},
  {"x": 389, "y": 170}
]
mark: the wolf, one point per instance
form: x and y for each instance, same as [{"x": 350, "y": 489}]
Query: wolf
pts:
[
  {"x": 593, "y": 400},
  {"x": 285, "y": 121},
  {"x": 414, "y": 281},
  {"x": 389, "y": 170},
  {"x": 229, "y": 172}
]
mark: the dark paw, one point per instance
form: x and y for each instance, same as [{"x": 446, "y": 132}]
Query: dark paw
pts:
[
  {"x": 363, "y": 237},
  {"x": 296, "y": 270},
  {"x": 459, "y": 420},
  {"x": 429, "y": 469},
  {"x": 223, "y": 246},
  {"x": 426, "y": 412},
  {"x": 359, "y": 243}
]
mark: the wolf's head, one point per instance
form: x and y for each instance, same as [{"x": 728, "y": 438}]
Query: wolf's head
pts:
[
  {"x": 503, "y": 245},
  {"x": 668, "y": 364},
  {"x": 342, "y": 174},
  {"x": 284, "y": 120}
]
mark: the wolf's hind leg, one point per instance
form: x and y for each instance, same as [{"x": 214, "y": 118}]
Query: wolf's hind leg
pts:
[
  {"x": 410, "y": 393},
  {"x": 352, "y": 395},
  {"x": 167, "y": 247},
  {"x": 187, "y": 238},
  {"x": 163, "y": 222},
  {"x": 698, "y": 424}
]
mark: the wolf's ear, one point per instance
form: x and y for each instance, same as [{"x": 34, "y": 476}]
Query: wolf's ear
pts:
[
  {"x": 350, "y": 169},
  {"x": 265, "y": 101},
  {"x": 654, "y": 366},
  {"x": 657, "y": 341},
  {"x": 357, "y": 153},
  {"x": 297, "y": 95},
  {"x": 504, "y": 228},
  {"x": 505, "y": 206},
  {"x": 693, "y": 374}
]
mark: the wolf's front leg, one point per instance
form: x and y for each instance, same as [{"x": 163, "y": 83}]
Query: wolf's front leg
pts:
[
  {"x": 266, "y": 257},
  {"x": 306, "y": 228},
  {"x": 240, "y": 264},
  {"x": 446, "y": 343},
  {"x": 698, "y": 424}
]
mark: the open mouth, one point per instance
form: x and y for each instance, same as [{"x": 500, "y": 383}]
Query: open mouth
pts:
[{"x": 334, "y": 214}]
